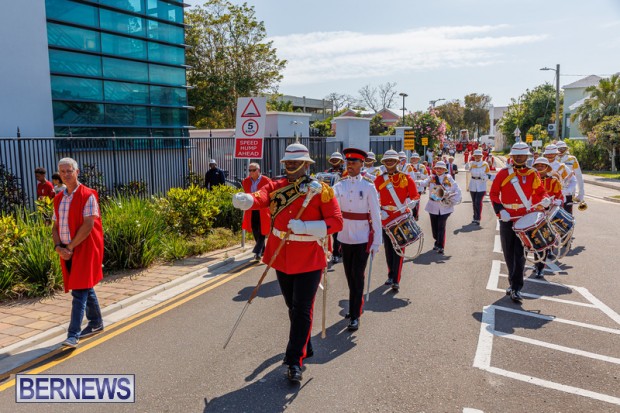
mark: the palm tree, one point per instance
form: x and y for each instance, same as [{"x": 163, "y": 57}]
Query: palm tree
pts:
[{"x": 604, "y": 101}]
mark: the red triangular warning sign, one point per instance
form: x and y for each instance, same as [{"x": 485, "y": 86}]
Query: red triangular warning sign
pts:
[{"x": 250, "y": 111}]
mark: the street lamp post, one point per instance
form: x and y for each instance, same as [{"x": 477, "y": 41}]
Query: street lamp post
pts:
[
  {"x": 404, "y": 95},
  {"x": 433, "y": 102},
  {"x": 557, "y": 98}
]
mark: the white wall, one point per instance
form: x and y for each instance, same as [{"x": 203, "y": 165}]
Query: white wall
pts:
[
  {"x": 353, "y": 132},
  {"x": 25, "y": 90}
]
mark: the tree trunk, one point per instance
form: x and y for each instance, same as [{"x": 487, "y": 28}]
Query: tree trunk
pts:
[{"x": 613, "y": 159}]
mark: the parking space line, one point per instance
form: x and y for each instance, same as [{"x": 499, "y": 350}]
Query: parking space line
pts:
[
  {"x": 497, "y": 245},
  {"x": 482, "y": 360}
]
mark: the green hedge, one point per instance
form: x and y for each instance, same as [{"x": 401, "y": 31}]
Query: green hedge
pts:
[{"x": 137, "y": 233}]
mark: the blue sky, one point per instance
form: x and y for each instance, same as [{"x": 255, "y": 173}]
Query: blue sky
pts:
[{"x": 439, "y": 48}]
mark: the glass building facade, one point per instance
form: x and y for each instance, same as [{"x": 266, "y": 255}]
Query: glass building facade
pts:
[{"x": 117, "y": 67}]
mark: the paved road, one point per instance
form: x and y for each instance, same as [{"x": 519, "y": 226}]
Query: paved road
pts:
[{"x": 421, "y": 350}]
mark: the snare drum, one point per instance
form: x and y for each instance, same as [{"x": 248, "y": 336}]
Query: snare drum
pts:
[
  {"x": 330, "y": 178},
  {"x": 535, "y": 232},
  {"x": 403, "y": 231},
  {"x": 562, "y": 223}
]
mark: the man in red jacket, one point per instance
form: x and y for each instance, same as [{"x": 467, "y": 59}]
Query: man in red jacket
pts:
[
  {"x": 301, "y": 260},
  {"x": 78, "y": 240},
  {"x": 256, "y": 221}
]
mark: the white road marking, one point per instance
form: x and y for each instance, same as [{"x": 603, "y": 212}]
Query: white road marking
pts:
[
  {"x": 482, "y": 360},
  {"x": 599, "y": 304},
  {"x": 497, "y": 226},
  {"x": 552, "y": 266},
  {"x": 497, "y": 246},
  {"x": 470, "y": 410}
]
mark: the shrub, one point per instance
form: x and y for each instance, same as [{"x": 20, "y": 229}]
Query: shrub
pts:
[
  {"x": 132, "y": 188},
  {"x": 591, "y": 157},
  {"x": 93, "y": 178},
  {"x": 228, "y": 216},
  {"x": 189, "y": 211},
  {"x": 37, "y": 264},
  {"x": 10, "y": 238},
  {"x": 175, "y": 246},
  {"x": 193, "y": 178},
  {"x": 132, "y": 229},
  {"x": 11, "y": 193},
  {"x": 45, "y": 209}
]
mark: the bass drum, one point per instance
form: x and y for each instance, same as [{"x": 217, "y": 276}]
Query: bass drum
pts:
[
  {"x": 563, "y": 224},
  {"x": 536, "y": 234},
  {"x": 329, "y": 178}
]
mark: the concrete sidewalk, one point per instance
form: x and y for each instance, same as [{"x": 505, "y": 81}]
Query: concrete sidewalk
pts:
[{"x": 26, "y": 323}]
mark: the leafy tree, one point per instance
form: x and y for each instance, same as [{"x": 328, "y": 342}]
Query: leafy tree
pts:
[
  {"x": 476, "y": 112},
  {"x": 607, "y": 135},
  {"x": 534, "y": 107},
  {"x": 604, "y": 101},
  {"x": 539, "y": 132},
  {"x": 377, "y": 126},
  {"x": 452, "y": 112},
  {"x": 229, "y": 58},
  {"x": 275, "y": 104}
]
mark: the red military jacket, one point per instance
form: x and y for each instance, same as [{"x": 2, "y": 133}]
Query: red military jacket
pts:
[
  {"x": 297, "y": 256},
  {"x": 503, "y": 192},
  {"x": 553, "y": 187},
  {"x": 404, "y": 187},
  {"x": 265, "y": 216}
]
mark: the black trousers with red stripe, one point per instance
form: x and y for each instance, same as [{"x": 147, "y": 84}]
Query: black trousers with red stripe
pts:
[
  {"x": 438, "y": 226},
  {"x": 299, "y": 291},
  {"x": 354, "y": 259},
  {"x": 476, "y": 200},
  {"x": 393, "y": 260}
]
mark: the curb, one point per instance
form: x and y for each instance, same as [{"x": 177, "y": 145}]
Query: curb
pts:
[
  {"x": 610, "y": 199},
  {"x": 60, "y": 331},
  {"x": 603, "y": 184}
]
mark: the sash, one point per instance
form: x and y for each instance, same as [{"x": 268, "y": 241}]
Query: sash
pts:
[
  {"x": 515, "y": 182},
  {"x": 390, "y": 187},
  {"x": 285, "y": 196}
]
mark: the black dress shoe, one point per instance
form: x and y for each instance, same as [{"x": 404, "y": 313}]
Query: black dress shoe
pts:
[
  {"x": 395, "y": 287},
  {"x": 294, "y": 374},
  {"x": 439, "y": 250},
  {"x": 508, "y": 291},
  {"x": 257, "y": 257},
  {"x": 354, "y": 325},
  {"x": 388, "y": 282},
  {"x": 347, "y": 315},
  {"x": 516, "y": 297}
]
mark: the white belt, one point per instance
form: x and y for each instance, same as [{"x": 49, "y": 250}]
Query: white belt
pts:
[
  {"x": 294, "y": 237},
  {"x": 389, "y": 208}
]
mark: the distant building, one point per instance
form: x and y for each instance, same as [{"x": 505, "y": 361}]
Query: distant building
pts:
[
  {"x": 93, "y": 68},
  {"x": 319, "y": 109},
  {"x": 495, "y": 114},
  {"x": 574, "y": 96}
]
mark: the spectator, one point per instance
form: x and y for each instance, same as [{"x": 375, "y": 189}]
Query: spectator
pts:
[
  {"x": 453, "y": 169},
  {"x": 258, "y": 220},
  {"x": 78, "y": 238},
  {"x": 214, "y": 176},
  {"x": 58, "y": 185},
  {"x": 44, "y": 187}
]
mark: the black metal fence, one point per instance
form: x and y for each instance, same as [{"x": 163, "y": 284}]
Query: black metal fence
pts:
[{"x": 153, "y": 164}]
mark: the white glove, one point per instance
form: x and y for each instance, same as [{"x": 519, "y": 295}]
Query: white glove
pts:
[
  {"x": 297, "y": 226},
  {"x": 242, "y": 201},
  {"x": 545, "y": 202},
  {"x": 504, "y": 216},
  {"x": 578, "y": 198},
  {"x": 384, "y": 215},
  {"x": 412, "y": 204},
  {"x": 557, "y": 202},
  {"x": 374, "y": 249}
]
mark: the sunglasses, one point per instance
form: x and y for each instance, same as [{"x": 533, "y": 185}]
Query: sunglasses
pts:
[{"x": 252, "y": 170}]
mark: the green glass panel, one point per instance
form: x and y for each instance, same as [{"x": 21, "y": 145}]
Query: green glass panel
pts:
[
  {"x": 125, "y": 70},
  {"x": 166, "y": 32},
  {"x": 69, "y": 11},
  {"x": 123, "y": 46},
  {"x": 168, "y": 117},
  {"x": 126, "y": 92},
  {"x": 165, "y": 11},
  {"x": 76, "y": 88},
  {"x": 174, "y": 76},
  {"x": 126, "y": 115},
  {"x": 81, "y": 113},
  {"x": 73, "y": 37},
  {"x": 136, "y": 6},
  {"x": 122, "y": 23},
  {"x": 74, "y": 63},
  {"x": 166, "y": 54},
  {"x": 171, "y": 96}
]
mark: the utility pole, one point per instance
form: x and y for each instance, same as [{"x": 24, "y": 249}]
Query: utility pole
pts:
[
  {"x": 404, "y": 95},
  {"x": 557, "y": 102}
]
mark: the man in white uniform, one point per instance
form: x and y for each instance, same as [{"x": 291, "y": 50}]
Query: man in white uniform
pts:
[{"x": 479, "y": 171}]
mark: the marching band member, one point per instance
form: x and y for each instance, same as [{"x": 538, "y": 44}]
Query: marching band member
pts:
[
  {"x": 479, "y": 171},
  {"x": 572, "y": 164},
  {"x": 420, "y": 177},
  {"x": 369, "y": 169},
  {"x": 394, "y": 189},
  {"x": 566, "y": 176},
  {"x": 516, "y": 190},
  {"x": 440, "y": 211},
  {"x": 301, "y": 260},
  {"x": 403, "y": 166},
  {"x": 359, "y": 203},
  {"x": 553, "y": 187},
  {"x": 336, "y": 161}
]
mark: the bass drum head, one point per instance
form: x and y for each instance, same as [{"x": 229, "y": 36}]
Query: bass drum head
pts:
[{"x": 529, "y": 221}]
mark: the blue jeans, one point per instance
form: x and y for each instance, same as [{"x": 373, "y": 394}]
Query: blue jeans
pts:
[{"x": 84, "y": 301}]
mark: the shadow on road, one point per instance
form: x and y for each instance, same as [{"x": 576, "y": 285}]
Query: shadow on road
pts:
[
  {"x": 576, "y": 251},
  {"x": 266, "y": 290},
  {"x": 509, "y": 322},
  {"x": 381, "y": 300},
  {"x": 467, "y": 228},
  {"x": 430, "y": 257}
]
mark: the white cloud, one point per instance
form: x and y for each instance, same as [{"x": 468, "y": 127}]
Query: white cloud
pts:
[{"x": 327, "y": 56}]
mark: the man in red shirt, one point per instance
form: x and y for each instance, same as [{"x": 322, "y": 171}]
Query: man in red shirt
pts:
[
  {"x": 516, "y": 190},
  {"x": 301, "y": 260},
  {"x": 396, "y": 191},
  {"x": 256, "y": 221},
  {"x": 44, "y": 187}
]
